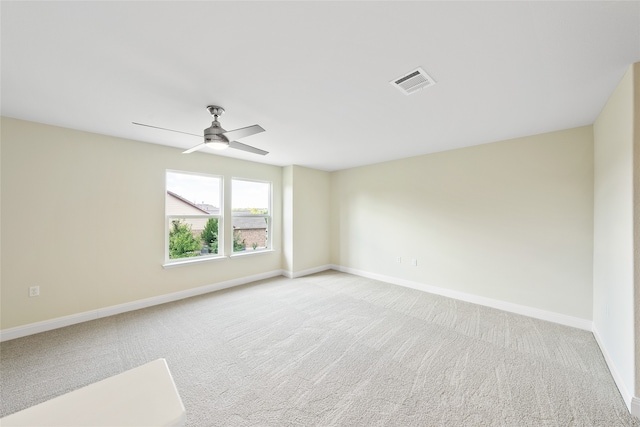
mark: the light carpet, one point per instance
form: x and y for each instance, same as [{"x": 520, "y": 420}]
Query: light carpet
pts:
[{"x": 332, "y": 349}]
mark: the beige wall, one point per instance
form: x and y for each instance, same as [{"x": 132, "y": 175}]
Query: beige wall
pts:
[
  {"x": 83, "y": 218},
  {"x": 311, "y": 219},
  {"x": 613, "y": 261},
  {"x": 307, "y": 219},
  {"x": 510, "y": 220},
  {"x": 287, "y": 219}
]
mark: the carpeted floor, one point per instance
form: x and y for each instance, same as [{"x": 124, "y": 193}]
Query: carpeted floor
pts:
[{"x": 332, "y": 349}]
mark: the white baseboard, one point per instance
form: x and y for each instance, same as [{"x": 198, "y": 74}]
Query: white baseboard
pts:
[
  {"x": 635, "y": 406},
  {"x": 632, "y": 402},
  {"x": 549, "y": 316},
  {"x": 47, "y": 325},
  {"x": 294, "y": 274}
]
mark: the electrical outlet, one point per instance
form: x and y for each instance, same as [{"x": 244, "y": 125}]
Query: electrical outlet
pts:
[
  {"x": 399, "y": 260},
  {"x": 414, "y": 262},
  {"x": 34, "y": 291}
]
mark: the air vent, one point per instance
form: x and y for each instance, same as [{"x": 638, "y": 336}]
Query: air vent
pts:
[{"x": 413, "y": 81}]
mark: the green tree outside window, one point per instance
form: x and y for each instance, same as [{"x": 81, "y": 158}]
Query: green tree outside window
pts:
[
  {"x": 210, "y": 235},
  {"x": 182, "y": 243}
]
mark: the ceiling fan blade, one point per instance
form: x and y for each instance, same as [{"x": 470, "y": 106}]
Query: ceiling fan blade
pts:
[
  {"x": 192, "y": 149},
  {"x": 232, "y": 135},
  {"x": 244, "y": 147},
  {"x": 170, "y": 130}
]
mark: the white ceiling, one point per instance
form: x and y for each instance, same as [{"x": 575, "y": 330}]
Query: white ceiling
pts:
[{"x": 315, "y": 74}]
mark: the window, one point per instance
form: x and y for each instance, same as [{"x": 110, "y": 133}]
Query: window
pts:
[
  {"x": 193, "y": 215},
  {"x": 251, "y": 215}
]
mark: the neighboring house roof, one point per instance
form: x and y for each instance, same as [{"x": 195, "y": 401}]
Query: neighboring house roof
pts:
[
  {"x": 249, "y": 222},
  {"x": 191, "y": 204},
  {"x": 209, "y": 208}
]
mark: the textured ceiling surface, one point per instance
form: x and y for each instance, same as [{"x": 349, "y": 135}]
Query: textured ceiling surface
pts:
[{"x": 316, "y": 75}]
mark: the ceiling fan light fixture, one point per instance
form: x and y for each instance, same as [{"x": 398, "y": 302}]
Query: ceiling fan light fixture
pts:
[{"x": 218, "y": 145}]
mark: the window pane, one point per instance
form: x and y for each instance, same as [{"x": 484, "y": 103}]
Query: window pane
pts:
[
  {"x": 250, "y": 196},
  {"x": 192, "y": 194},
  {"x": 191, "y": 237},
  {"x": 251, "y": 206},
  {"x": 250, "y": 233},
  {"x": 191, "y": 201}
]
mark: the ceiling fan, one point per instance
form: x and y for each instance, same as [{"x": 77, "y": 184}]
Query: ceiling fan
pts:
[{"x": 219, "y": 139}]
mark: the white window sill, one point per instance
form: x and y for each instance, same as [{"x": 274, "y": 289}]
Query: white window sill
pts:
[
  {"x": 194, "y": 260},
  {"x": 251, "y": 252}
]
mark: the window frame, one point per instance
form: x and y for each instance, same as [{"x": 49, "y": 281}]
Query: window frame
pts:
[
  {"x": 168, "y": 218},
  {"x": 268, "y": 216}
]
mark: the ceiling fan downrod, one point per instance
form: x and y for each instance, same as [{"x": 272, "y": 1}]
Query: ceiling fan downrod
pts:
[{"x": 213, "y": 135}]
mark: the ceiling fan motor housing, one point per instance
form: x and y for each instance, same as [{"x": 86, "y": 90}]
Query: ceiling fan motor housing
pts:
[{"x": 214, "y": 138}]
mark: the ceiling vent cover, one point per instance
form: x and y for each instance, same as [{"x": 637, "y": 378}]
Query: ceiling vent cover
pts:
[{"x": 413, "y": 81}]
